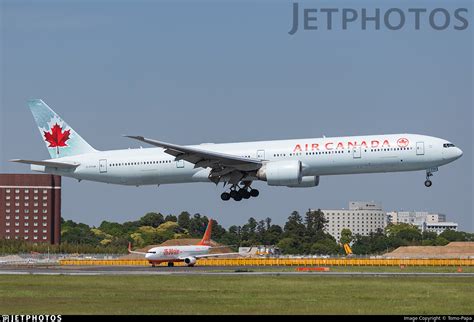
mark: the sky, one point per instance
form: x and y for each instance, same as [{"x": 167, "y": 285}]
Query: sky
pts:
[{"x": 190, "y": 72}]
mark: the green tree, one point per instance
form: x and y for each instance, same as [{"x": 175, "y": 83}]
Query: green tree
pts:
[
  {"x": 217, "y": 232},
  {"x": 315, "y": 221},
  {"x": 289, "y": 245},
  {"x": 152, "y": 219},
  {"x": 273, "y": 235},
  {"x": 326, "y": 246},
  {"x": 171, "y": 218},
  {"x": 452, "y": 235},
  {"x": 79, "y": 234},
  {"x": 248, "y": 232},
  {"x": 408, "y": 234},
  {"x": 294, "y": 227},
  {"x": 198, "y": 225},
  {"x": 441, "y": 241},
  {"x": 112, "y": 228},
  {"x": 346, "y": 236},
  {"x": 260, "y": 232},
  {"x": 231, "y": 237},
  {"x": 184, "y": 220}
]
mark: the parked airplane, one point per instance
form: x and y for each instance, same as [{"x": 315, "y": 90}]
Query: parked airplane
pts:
[
  {"x": 189, "y": 254},
  {"x": 289, "y": 163}
]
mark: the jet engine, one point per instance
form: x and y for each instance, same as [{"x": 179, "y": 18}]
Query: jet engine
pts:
[
  {"x": 306, "y": 182},
  {"x": 190, "y": 261},
  {"x": 281, "y": 173}
]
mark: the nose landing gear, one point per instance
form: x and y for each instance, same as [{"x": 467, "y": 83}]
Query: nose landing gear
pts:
[{"x": 428, "y": 182}]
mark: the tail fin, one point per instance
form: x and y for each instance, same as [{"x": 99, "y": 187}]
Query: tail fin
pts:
[
  {"x": 61, "y": 140},
  {"x": 206, "y": 239}
]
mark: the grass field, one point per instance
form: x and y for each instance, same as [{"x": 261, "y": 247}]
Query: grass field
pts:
[
  {"x": 59, "y": 294},
  {"x": 369, "y": 269}
]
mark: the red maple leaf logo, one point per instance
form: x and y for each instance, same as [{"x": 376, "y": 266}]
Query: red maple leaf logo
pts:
[
  {"x": 402, "y": 142},
  {"x": 57, "y": 138}
]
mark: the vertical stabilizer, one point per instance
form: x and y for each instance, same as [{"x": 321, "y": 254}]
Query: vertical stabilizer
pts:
[
  {"x": 206, "y": 239},
  {"x": 60, "y": 139}
]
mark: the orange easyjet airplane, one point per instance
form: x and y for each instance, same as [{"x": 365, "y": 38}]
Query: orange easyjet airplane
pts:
[{"x": 189, "y": 253}]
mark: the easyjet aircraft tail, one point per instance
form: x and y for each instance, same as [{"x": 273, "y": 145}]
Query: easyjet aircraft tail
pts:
[
  {"x": 206, "y": 239},
  {"x": 61, "y": 140}
]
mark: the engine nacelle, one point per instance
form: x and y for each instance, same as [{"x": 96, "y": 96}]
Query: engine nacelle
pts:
[
  {"x": 190, "y": 261},
  {"x": 281, "y": 173},
  {"x": 306, "y": 182}
]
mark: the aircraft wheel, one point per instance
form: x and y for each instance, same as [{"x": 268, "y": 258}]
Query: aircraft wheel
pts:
[
  {"x": 428, "y": 183},
  {"x": 233, "y": 193},
  {"x": 254, "y": 193},
  {"x": 237, "y": 197},
  {"x": 225, "y": 196},
  {"x": 244, "y": 193}
]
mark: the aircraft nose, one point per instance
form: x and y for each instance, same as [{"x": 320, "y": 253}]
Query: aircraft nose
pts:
[{"x": 459, "y": 153}]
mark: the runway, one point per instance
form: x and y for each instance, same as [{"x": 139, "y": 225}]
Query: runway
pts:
[{"x": 198, "y": 270}]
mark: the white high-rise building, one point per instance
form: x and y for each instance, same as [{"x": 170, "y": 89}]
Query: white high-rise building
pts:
[
  {"x": 361, "y": 218},
  {"x": 424, "y": 220}
]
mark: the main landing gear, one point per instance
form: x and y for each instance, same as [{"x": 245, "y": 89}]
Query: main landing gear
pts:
[{"x": 237, "y": 193}]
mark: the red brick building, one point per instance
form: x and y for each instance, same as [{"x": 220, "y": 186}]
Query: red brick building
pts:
[{"x": 30, "y": 207}]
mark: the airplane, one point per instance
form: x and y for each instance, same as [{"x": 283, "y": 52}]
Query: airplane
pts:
[
  {"x": 187, "y": 254},
  {"x": 295, "y": 163}
]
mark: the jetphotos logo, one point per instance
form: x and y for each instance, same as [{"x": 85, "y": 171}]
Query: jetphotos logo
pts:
[
  {"x": 390, "y": 19},
  {"x": 331, "y": 145},
  {"x": 57, "y": 135},
  {"x": 31, "y": 318}
]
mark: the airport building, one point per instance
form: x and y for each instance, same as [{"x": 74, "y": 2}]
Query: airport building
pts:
[
  {"x": 30, "y": 207},
  {"x": 362, "y": 218},
  {"x": 425, "y": 221}
]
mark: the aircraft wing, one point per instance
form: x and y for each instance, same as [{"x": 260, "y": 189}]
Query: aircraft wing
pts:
[
  {"x": 215, "y": 255},
  {"x": 53, "y": 164},
  {"x": 220, "y": 163}
]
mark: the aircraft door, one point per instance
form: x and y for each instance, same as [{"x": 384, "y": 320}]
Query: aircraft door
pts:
[
  {"x": 261, "y": 154},
  {"x": 103, "y": 166},
  {"x": 180, "y": 164},
  {"x": 420, "y": 148},
  {"x": 356, "y": 152}
]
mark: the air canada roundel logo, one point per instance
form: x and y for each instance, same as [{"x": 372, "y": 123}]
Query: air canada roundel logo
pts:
[{"x": 402, "y": 142}]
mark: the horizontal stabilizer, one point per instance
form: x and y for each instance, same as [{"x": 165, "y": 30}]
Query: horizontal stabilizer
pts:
[
  {"x": 53, "y": 164},
  {"x": 134, "y": 252}
]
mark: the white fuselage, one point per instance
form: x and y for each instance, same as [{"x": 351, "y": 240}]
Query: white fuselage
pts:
[
  {"x": 318, "y": 156},
  {"x": 175, "y": 253}
]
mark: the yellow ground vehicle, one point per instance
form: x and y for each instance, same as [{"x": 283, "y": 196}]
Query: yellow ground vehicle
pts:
[{"x": 347, "y": 249}]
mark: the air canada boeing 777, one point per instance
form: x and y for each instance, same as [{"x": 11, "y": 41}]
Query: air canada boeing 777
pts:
[{"x": 290, "y": 163}]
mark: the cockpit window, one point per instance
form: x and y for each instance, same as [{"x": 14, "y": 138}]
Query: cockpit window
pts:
[
  {"x": 151, "y": 252},
  {"x": 448, "y": 145}
]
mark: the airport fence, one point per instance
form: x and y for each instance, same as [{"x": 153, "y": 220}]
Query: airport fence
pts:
[
  {"x": 283, "y": 262},
  {"x": 50, "y": 259}
]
